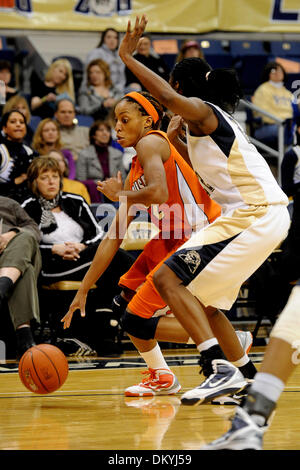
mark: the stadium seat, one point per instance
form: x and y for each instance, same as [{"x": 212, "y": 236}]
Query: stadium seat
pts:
[
  {"x": 285, "y": 48},
  {"x": 242, "y": 48},
  {"x": 216, "y": 54},
  {"x": 84, "y": 120},
  {"x": 34, "y": 122},
  {"x": 249, "y": 58}
]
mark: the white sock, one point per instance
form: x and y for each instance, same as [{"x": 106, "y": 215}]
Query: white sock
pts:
[
  {"x": 241, "y": 362},
  {"x": 268, "y": 385},
  {"x": 154, "y": 358},
  {"x": 207, "y": 344}
]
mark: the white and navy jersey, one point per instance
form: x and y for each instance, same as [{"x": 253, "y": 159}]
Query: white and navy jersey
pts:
[{"x": 231, "y": 169}]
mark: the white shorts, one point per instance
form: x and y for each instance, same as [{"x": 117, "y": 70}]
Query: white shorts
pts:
[{"x": 215, "y": 261}]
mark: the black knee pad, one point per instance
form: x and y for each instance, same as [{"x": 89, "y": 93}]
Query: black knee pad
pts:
[
  {"x": 118, "y": 306},
  {"x": 143, "y": 328}
]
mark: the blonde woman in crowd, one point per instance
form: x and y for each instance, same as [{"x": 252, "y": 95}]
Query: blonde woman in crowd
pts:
[
  {"x": 47, "y": 138},
  {"x": 58, "y": 81}
]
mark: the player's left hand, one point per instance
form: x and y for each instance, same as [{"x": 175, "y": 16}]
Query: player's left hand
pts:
[
  {"x": 131, "y": 38},
  {"x": 78, "y": 303},
  {"x": 111, "y": 187}
]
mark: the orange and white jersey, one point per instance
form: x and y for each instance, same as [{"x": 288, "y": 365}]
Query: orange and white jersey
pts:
[
  {"x": 189, "y": 207},
  {"x": 231, "y": 169}
]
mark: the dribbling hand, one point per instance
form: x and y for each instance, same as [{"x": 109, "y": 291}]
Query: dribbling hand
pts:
[
  {"x": 77, "y": 304},
  {"x": 111, "y": 187}
]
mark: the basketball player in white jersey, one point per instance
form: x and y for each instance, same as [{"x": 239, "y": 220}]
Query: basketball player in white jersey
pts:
[{"x": 206, "y": 273}]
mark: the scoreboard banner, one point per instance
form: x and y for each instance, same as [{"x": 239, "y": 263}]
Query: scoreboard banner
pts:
[
  {"x": 165, "y": 16},
  {"x": 259, "y": 16},
  {"x": 97, "y": 15}
]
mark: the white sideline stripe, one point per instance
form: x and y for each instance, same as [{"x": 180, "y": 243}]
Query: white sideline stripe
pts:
[{"x": 56, "y": 394}]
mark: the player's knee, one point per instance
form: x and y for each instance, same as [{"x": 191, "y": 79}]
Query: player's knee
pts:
[
  {"x": 287, "y": 326},
  {"x": 119, "y": 305},
  {"x": 142, "y": 328},
  {"x": 160, "y": 280}
]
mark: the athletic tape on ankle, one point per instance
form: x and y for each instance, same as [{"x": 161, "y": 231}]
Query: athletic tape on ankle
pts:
[{"x": 287, "y": 326}]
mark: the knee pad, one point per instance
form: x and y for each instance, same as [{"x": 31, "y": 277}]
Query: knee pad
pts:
[
  {"x": 119, "y": 305},
  {"x": 142, "y": 328},
  {"x": 287, "y": 327}
]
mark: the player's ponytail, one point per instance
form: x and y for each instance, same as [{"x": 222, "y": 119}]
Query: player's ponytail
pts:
[
  {"x": 196, "y": 78},
  {"x": 224, "y": 89}
]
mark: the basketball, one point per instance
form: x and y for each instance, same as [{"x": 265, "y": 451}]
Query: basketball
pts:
[{"x": 43, "y": 369}]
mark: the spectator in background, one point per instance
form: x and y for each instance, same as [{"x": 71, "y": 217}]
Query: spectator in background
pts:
[
  {"x": 15, "y": 156},
  {"x": 20, "y": 264},
  {"x": 47, "y": 137},
  {"x": 272, "y": 96},
  {"x": 147, "y": 56},
  {"x": 70, "y": 232},
  {"x": 107, "y": 50},
  {"x": 20, "y": 103},
  {"x": 6, "y": 76},
  {"x": 189, "y": 48},
  {"x": 99, "y": 160},
  {"x": 290, "y": 167},
  {"x": 97, "y": 96},
  {"x": 74, "y": 138},
  {"x": 69, "y": 185},
  {"x": 58, "y": 81}
]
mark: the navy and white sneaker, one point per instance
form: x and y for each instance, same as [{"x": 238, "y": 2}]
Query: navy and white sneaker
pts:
[
  {"x": 244, "y": 434},
  {"x": 226, "y": 379},
  {"x": 235, "y": 398}
]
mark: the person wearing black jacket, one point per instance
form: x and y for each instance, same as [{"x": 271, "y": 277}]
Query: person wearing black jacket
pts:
[
  {"x": 15, "y": 156},
  {"x": 290, "y": 166},
  {"x": 148, "y": 57},
  {"x": 70, "y": 232}
]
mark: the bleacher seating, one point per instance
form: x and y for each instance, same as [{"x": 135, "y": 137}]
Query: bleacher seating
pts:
[
  {"x": 215, "y": 53},
  {"x": 249, "y": 59},
  {"x": 285, "y": 49}
]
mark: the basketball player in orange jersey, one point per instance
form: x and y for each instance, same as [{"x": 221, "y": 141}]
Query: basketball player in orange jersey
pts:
[{"x": 158, "y": 176}]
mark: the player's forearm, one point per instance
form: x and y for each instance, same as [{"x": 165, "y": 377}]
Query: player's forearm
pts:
[
  {"x": 102, "y": 259},
  {"x": 107, "y": 249},
  {"x": 152, "y": 194},
  {"x": 182, "y": 148}
]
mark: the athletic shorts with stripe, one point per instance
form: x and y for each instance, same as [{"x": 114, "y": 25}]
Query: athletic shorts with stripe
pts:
[
  {"x": 215, "y": 261},
  {"x": 147, "y": 301}
]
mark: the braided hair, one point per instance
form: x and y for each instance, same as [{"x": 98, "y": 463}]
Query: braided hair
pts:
[{"x": 196, "y": 78}]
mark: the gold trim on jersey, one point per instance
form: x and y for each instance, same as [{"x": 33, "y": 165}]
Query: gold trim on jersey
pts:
[
  {"x": 227, "y": 227},
  {"x": 248, "y": 186}
]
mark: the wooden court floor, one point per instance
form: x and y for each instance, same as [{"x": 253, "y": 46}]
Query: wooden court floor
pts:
[{"x": 90, "y": 411}]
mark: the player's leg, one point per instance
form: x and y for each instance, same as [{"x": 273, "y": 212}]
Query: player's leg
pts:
[
  {"x": 194, "y": 319},
  {"x": 281, "y": 357},
  {"x": 140, "y": 324},
  {"x": 145, "y": 320},
  {"x": 21, "y": 264}
]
